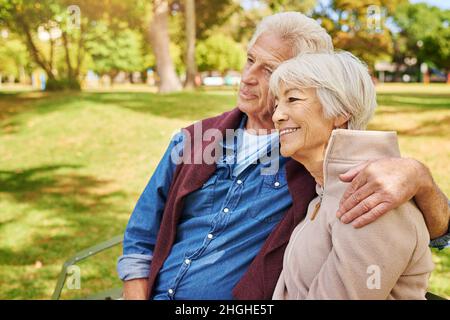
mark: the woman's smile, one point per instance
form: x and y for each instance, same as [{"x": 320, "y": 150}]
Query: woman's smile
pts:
[{"x": 288, "y": 130}]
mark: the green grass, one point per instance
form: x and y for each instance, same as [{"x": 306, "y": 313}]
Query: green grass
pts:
[{"x": 72, "y": 166}]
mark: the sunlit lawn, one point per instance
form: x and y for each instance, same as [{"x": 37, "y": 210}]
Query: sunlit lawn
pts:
[{"x": 73, "y": 165}]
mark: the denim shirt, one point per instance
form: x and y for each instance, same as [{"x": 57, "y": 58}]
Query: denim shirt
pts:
[{"x": 221, "y": 229}]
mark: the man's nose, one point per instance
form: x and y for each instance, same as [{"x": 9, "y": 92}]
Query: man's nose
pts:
[{"x": 249, "y": 76}]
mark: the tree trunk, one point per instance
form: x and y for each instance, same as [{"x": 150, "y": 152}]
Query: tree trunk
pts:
[
  {"x": 80, "y": 51},
  {"x": 70, "y": 74},
  {"x": 191, "y": 66},
  {"x": 159, "y": 37},
  {"x": 35, "y": 53},
  {"x": 52, "y": 52}
]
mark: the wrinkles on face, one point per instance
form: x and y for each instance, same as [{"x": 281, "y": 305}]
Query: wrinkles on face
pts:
[
  {"x": 263, "y": 57},
  {"x": 301, "y": 108}
]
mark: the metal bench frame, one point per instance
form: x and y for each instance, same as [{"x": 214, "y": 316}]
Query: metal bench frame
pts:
[
  {"x": 112, "y": 294},
  {"x": 116, "y": 293}
]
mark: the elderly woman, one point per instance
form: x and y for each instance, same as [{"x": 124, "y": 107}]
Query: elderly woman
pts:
[{"x": 323, "y": 102}]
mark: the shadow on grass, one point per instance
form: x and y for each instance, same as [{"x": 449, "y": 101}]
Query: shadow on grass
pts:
[
  {"x": 79, "y": 200},
  {"x": 183, "y": 105},
  {"x": 429, "y": 128},
  {"x": 14, "y": 104},
  {"x": 413, "y": 102},
  {"x": 79, "y": 211},
  {"x": 435, "y": 128},
  {"x": 48, "y": 189}
]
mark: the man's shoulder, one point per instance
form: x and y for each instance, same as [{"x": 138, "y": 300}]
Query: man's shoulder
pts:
[{"x": 218, "y": 121}]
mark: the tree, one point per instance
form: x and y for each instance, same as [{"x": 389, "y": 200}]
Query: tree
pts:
[
  {"x": 424, "y": 34},
  {"x": 25, "y": 18},
  {"x": 208, "y": 14},
  {"x": 113, "y": 51},
  {"x": 359, "y": 26},
  {"x": 191, "y": 66},
  {"x": 305, "y": 6},
  {"x": 220, "y": 53},
  {"x": 160, "y": 40},
  {"x": 14, "y": 57}
]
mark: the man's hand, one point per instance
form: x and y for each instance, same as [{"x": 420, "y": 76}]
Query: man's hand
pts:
[
  {"x": 379, "y": 186},
  {"x": 136, "y": 289}
]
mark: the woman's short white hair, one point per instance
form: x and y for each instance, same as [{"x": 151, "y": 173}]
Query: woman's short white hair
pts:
[
  {"x": 342, "y": 82},
  {"x": 302, "y": 33}
]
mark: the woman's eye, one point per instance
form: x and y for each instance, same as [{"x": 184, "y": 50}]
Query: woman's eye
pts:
[
  {"x": 293, "y": 99},
  {"x": 249, "y": 60},
  {"x": 268, "y": 71}
]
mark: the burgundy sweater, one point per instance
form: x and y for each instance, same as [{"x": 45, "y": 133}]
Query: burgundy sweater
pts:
[{"x": 261, "y": 277}]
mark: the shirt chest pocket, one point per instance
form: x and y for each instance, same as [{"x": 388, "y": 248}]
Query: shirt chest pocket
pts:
[
  {"x": 201, "y": 201},
  {"x": 273, "y": 183},
  {"x": 265, "y": 208}
]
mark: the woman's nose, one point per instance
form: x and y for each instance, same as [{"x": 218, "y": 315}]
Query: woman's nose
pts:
[{"x": 279, "y": 116}]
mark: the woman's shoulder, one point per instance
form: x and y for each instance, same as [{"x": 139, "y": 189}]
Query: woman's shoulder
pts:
[{"x": 403, "y": 227}]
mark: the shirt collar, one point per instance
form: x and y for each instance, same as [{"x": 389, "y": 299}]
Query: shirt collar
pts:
[{"x": 231, "y": 145}]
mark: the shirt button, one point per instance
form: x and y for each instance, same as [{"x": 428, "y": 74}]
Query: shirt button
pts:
[
  {"x": 170, "y": 291},
  {"x": 187, "y": 261},
  {"x": 210, "y": 236},
  {"x": 276, "y": 184},
  {"x": 239, "y": 182},
  {"x": 226, "y": 210}
]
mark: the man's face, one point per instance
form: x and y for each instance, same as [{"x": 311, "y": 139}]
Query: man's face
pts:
[{"x": 262, "y": 58}]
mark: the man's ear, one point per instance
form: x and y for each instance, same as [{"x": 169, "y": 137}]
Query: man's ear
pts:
[{"x": 341, "y": 122}]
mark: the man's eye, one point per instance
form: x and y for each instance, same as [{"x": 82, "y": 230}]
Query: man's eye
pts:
[
  {"x": 249, "y": 60},
  {"x": 293, "y": 99},
  {"x": 269, "y": 71}
]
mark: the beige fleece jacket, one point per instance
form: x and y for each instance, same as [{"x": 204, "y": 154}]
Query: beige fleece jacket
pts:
[{"x": 326, "y": 259}]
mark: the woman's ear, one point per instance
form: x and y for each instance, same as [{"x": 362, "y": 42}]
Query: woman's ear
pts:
[{"x": 341, "y": 122}]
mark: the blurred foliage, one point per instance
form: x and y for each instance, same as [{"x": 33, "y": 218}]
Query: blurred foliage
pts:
[
  {"x": 44, "y": 29},
  {"x": 14, "y": 57},
  {"x": 359, "y": 26},
  {"x": 220, "y": 53},
  {"x": 305, "y": 6},
  {"x": 425, "y": 34},
  {"x": 373, "y": 30},
  {"x": 209, "y": 14},
  {"x": 114, "y": 50}
]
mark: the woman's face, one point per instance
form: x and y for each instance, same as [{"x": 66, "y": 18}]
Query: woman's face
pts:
[{"x": 303, "y": 129}]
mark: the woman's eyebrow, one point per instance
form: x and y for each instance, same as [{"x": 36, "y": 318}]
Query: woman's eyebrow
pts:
[{"x": 289, "y": 90}]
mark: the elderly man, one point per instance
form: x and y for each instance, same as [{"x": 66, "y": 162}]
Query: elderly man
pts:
[{"x": 218, "y": 230}]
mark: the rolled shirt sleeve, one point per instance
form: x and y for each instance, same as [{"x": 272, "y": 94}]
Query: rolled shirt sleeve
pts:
[
  {"x": 143, "y": 226},
  {"x": 133, "y": 266}
]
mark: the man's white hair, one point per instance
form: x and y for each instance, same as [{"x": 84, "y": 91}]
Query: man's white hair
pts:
[
  {"x": 342, "y": 82},
  {"x": 302, "y": 33}
]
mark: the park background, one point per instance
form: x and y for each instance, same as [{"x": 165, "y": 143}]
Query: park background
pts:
[{"x": 85, "y": 115}]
